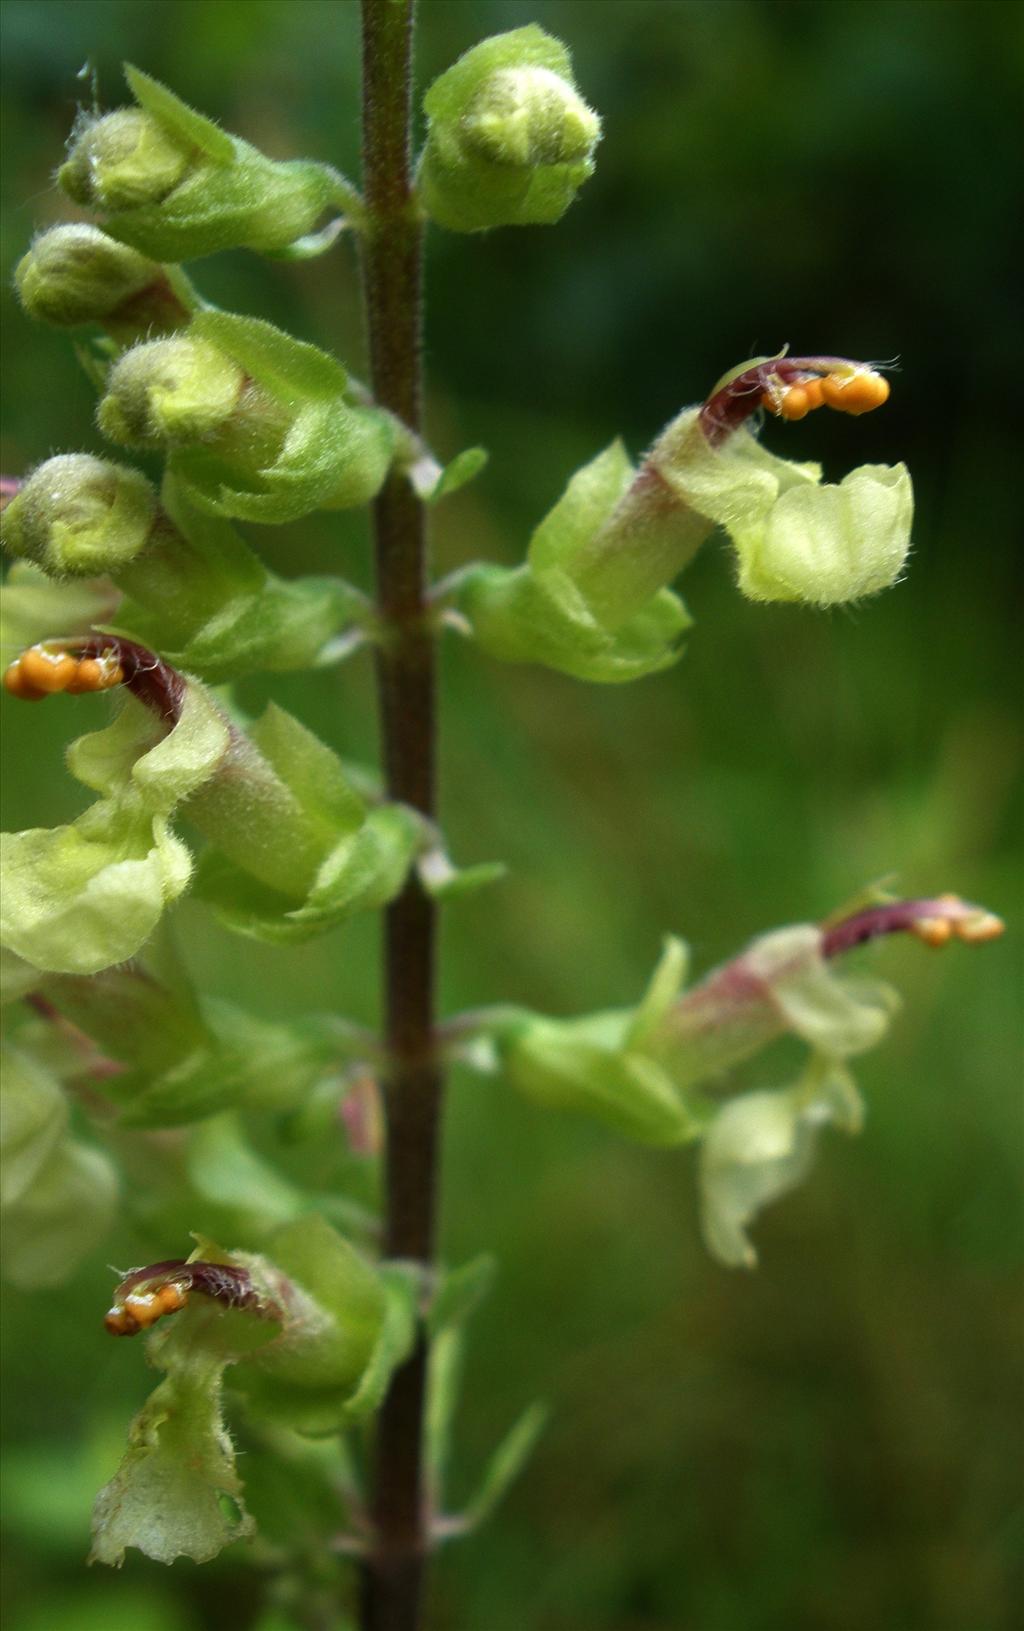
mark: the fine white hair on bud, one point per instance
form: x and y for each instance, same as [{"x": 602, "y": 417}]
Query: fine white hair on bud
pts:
[
  {"x": 76, "y": 274},
  {"x": 79, "y": 516},
  {"x": 165, "y": 392}
]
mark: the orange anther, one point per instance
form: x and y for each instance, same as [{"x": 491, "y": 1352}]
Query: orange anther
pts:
[
  {"x": 793, "y": 401},
  {"x": 980, "y": 926},
  {"x": 934, "y": 931},
  {"x": 143, "y": 1308},
  {"x": 95, "y": 674},
  {"x": 813, "y": 392},
  {"x": 47, "y": 670},
  {"x": 171, "y": 1297},
  {"x": 16, "y": 683},
  {"x": 119, "y": 1322},
  {"x": 855, "y": 393}
]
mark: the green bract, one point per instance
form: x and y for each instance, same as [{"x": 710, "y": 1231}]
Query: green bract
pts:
[
  {"x": 510, "y": 141},
  {"x": 173, "y": 185},
  {"x": 541, "y": 613},
  {"x": 259, "y": 425}
]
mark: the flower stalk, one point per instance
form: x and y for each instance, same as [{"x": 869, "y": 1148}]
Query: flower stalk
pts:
[{"x": 394, "y": 1565}]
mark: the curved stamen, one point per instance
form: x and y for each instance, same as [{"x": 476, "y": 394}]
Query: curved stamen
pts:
[
  {"x": 790, "y": 387},
  {"x": 147, "y": 1294},
  {"x": 97, "y": 662},
  {"x": 935, "y": 921}
]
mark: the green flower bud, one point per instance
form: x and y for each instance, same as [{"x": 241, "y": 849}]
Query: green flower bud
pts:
[
  {"x": 259, "y": 425},
  {"x": 175, "y": 186},
  {"x": 166, "y": 393},
  {"x": 510, "y": 141},
  {"x": 76, "y": 274},
  {"x": 123, "y": 160},
  {"x": 78, "y": 516}
]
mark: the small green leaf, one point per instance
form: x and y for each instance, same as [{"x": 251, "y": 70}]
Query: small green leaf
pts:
[
  {"x": 445, "y": 882},
  {"x": 460, "y": 1292},
  {"x": 506, "y": 1464},
  {"x": 464, "y": 468}
]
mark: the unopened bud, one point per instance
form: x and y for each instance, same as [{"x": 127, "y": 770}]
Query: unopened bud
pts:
[
  {"x": 79, "y": 516},
  {"x": 171, "y": 183},
  {"x": 510, "y": 140},
  {"x": 261, "y": 425},
  {"x": 170, "y": 392},
  {"x": 76, "y": 274},
  {"x": 124, "y": 160}
]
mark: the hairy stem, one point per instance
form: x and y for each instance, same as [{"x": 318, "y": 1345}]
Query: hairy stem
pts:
[{"x": 392, "y": 1586}]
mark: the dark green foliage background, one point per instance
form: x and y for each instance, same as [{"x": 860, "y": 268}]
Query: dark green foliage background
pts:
[{"x": 828, "y": 1445}]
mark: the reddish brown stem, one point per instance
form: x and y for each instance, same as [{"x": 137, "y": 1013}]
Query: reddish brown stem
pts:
[{"x": 394, "y": 1571}]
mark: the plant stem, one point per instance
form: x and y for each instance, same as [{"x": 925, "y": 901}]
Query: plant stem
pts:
[{"x": 393, "y": 1574}]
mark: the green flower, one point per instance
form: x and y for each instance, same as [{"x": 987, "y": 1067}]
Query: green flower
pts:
[
  {"x": 294, "y": 847},
  {"x": 310, "y": 1333},
  {"x": 593, "y": 600},
  {"x": 81, "y": 897},
  {"x": 656, "y": 1073}
]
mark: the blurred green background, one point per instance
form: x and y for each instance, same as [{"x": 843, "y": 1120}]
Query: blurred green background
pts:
[{"x": 832, "y": 1443}]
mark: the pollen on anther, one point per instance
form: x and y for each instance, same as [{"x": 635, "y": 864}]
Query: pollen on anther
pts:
[
  {"x": 43, "y": 670},
  {"x": 855, "y": 393}
]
